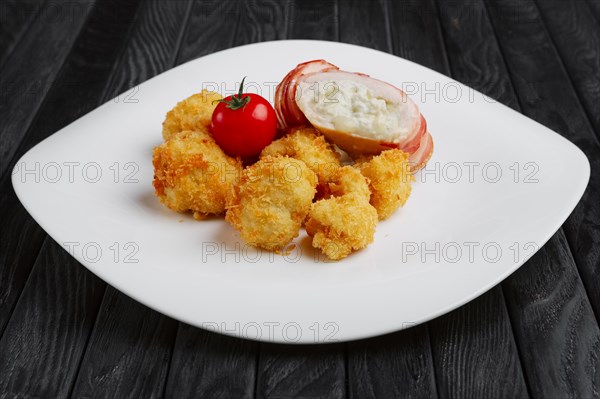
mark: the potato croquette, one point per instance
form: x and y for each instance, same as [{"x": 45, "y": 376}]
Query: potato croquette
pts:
[
  {"x": 309, "y": 146},
  {"x": 192, "y": 173},
  {"x": 271, "y": 201},
  {"x": 193, "y": 113},
  {"x": 340, "y": 225},
  {"x": 389, "y": 180},
  {"x": 345, "y": 180}
]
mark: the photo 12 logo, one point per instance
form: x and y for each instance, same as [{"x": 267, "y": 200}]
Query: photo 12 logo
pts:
[
  {"x": 475, "y": 172},
  {"x": 263, "y": 89},
  {"x": 76, "y": 172},
  {"x": 93, "y": 252},
  {"x": 288, "y": 331},
  {"x": 240, "y": 252},
  {"x": 466, "y": 252}
]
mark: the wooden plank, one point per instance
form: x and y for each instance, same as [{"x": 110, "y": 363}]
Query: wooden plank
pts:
[
  {"x": 130, "y": 347},
  {"x": 15, "y": 19},
  {"x": 30, "y": 69},
  {"x": 314, "y": 19},
  {"x": 262, "y": 20},
  {"x": 476, "y": 338},
  {"x": 128, "y": 353},
  {"x": 560, "y": 344},
  {"x": 576, "y": 35},
  {"x": 20, "y": 242},
  {"x": 210, "y": 365},
  {"x": 205, "y": 364},
  {"x": 365, "y": 24},
  {"x": 425, "y": 47},
  {"x": 595, "y": 8},
  {"x": 473, "y": 52},
  {"x": 75, "y": 92},
  {"x": 154, "y": 43},
  {"x": 306, "y": 371},
  {"x": 212, "y": 27},
  {"x": 554, "y": 325},
  {"x": 417, "y": 36},
  {"x": 397, "y": 365},
  {"x": 475, "y": 352},
  {"x": 45, "y": 338},
  {"x": 202, "y": 369},
  {"x": 217, "y": 25}
]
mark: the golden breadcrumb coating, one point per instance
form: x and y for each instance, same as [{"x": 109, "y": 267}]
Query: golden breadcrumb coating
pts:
[
  {"x": 345, "y": 180},
  {"x": 340, "y": 225},
  {"x": 271, "y": 201},
  {"x": 309, "y": 146},
  {"x": 192, "y": 173},
  {"x": 193, "y": 113},
  {"x": 389, "y": 180}
]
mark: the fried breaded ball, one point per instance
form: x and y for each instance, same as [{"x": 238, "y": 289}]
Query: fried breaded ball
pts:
[
  {"x": 345, "y": 180},
  {"x": 271, "y": 201},
  {"x": 193, "y": 113},
  {"x": 389, "y": 180},
  {"x": 308, "y": 145},
  {"x": 341, "y": 225},
  {"x": 192, "y": 173}
]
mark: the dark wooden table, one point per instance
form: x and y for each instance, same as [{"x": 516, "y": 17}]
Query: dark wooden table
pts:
[{"x": 64, "y": 332}]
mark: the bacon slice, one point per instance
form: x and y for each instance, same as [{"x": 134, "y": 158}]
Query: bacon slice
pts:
[
  {"x": 288, "y": 113},
  {"x": 360, "y": 114},
  {"x": 421, "y": 156}
]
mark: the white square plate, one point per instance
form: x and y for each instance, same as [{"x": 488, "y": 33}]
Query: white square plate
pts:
[{"x": 496, "y": 189}]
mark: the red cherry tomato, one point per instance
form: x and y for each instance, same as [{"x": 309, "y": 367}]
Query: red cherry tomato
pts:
[{"x": 244, "y": 124}]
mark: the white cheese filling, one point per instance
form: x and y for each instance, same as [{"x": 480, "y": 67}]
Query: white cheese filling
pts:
[{"x": 351, "y": 107}]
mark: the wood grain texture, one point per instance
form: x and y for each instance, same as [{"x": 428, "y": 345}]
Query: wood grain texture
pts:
[
  {"x": 411, "y": 16},
  {"x": 76, "y": 91},
  {"x": 19, "y": 247},
  {"x": 128, "y": 352},
  {"x": 305, "y": 371},
  {"x": 314, "y": 19},
  {"x": 217, "y": 25},
  {"x": 285, "y": 371},
  {"x": 397, "y": 365},
  {"x": 473, "y": 52},
  {"x": 262, "y": 20},
  {"x": 130, "y": 348},
  {"x": 210, "y": 365},
  {"x": 558, "y": 336},
  {"x": 475, "y": 354},
  {"x": 453, "y": 338},
  {"x": 463, "y": 32},
  {"x": 32, "y": 66},
  {"x": 539, "y": 75},
  {"x": 576, "y": 35},
  {"x": 15, "y": 19},
  {"x": 212, "y": 27},
  {"x": 366, "y": 24},
  {"x": 45, "y": 339},
  {"x": 205, "y": 364},
  {"x": 482, "y": 326},
  {"x": 553, "y": 280},
  {"x": 595, "y": 8},
  {"x": 153, "y": 45}
]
